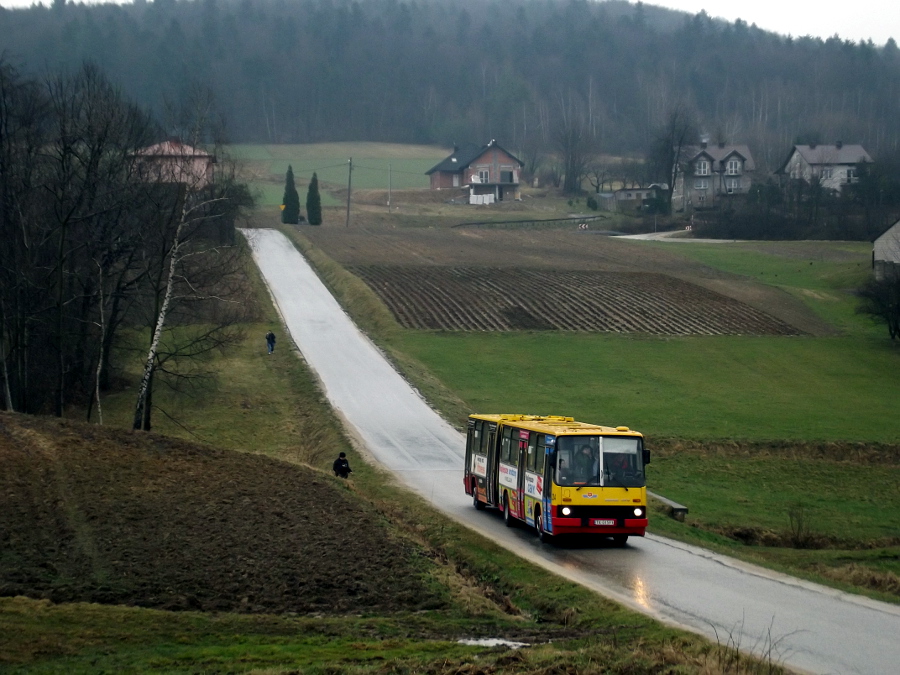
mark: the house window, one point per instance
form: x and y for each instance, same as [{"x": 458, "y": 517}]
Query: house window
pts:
[
  {"x": 851, "y": 175},
  {"x": 827, "y": 173},
  {"x": 732, "y": 184},
  {"x": 733, "y": 168},
  {"x": 506, "y": 176},
  {"x": 701, "y": 184},
  {"x": 456, "y": 180},
  {"x": 702, "y": 167},
  {"x": 482, "y": 175}
]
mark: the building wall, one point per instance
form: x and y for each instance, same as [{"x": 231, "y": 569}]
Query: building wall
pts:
[{"x": 494, "y": 161}]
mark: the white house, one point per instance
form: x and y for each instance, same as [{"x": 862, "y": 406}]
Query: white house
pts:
[
  {"x": 886, "y": 253},
  {"x": 832, "y": 165}
]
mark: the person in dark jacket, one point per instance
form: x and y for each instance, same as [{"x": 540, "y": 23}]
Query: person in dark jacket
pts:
[
  {"x": 270, "y": 341},
  {"x": 341, "y": 466}
]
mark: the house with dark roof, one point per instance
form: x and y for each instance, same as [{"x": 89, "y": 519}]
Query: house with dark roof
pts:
[
  {"x": 490, "y": 173},
  {"x": 710, "y": 171},
  {"x": 832, "y": 165}
]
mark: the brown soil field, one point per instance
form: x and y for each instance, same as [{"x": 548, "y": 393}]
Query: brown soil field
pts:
[
  {"x": 375, "y": 241},
  {"x": 103, "y": 515},
  {"x": 484, "y": 298}
]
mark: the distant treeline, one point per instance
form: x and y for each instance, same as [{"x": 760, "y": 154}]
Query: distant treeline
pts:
[{"x": 428, "y": 71}]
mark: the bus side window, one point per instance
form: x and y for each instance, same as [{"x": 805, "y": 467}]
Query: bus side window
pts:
[
  {"x": 485, "y": 439},
  {"x": 532, "y": 463},
  {"x": 508, "y": 452}
]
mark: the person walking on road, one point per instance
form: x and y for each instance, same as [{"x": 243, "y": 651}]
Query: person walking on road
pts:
[
  {"x": 341, "y": 466},
  {"x": 270, "y": 341}
]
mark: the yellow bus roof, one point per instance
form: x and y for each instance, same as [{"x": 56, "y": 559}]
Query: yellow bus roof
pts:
[{"x": 556, "y": 425}]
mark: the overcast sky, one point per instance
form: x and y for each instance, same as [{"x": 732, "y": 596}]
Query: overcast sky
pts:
[{"x": 852, "y": 19}]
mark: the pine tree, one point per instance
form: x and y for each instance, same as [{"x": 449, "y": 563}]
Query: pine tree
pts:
[
  {"x": 290, "y": 212},
  {"x": 314, "y": 202}
]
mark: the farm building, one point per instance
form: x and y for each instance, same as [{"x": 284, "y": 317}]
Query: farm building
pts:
[
  {"x": 886, "y": 253},
  {"x": 490, "y": 173},
  {"x": 175, "y": 162}
]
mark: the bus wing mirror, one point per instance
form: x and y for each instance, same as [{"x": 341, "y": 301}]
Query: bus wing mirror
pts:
[{"x": 646, "y": 457}]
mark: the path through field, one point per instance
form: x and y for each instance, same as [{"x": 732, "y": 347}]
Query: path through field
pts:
[{"x": 797, "y": 623}]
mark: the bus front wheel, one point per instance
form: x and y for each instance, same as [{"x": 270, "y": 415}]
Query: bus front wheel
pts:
[
  {"x": 478, "y": 504},
  {"x": 543, "y": 535},
  {"x": 620, "y": 539}
]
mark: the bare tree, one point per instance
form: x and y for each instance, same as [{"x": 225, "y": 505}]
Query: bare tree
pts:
[
  {"x": 193, "y": 280},
  {"x": 573, "y": 142},
  {"x": 666, "y": 155}
]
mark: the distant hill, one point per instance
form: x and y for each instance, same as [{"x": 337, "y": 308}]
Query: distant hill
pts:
[
  {"x": 433, "y": 72},
  {"x": 112, "y": 516}
]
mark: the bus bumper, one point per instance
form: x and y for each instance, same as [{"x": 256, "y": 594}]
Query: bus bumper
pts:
[{"x": 632, "y": 526}]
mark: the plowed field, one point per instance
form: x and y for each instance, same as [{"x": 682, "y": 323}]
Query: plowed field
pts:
[
  {"x": 488, "y": 279},
  {"x": 110, "y": 516},
  {"x": 496, "y": 299}
]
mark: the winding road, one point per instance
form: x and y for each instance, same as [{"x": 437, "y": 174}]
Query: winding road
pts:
[{"x": 796, "y": 623}]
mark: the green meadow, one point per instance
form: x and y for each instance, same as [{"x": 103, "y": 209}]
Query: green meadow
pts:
[
  {"x": 802, "y": 388},
  {"x": 376, "y": 166}
]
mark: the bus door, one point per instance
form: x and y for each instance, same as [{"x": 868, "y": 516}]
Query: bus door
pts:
[
  {"x": 509, "y": 468},
  {"x": 548, "y": 449},
  {"x": 493, "y": 457},
  {"x": 532, "y": 482},
  {"x": 520, "y": 439},
  {"x": 477, "y": 456}
]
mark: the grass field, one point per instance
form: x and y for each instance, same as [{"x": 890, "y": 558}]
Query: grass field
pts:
[{"x": 375, "y": 166}]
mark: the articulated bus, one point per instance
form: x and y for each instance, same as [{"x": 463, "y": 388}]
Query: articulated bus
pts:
[{"x": 558, "y": 475}]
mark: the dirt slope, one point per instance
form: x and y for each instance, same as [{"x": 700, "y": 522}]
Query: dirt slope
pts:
[{"x": 106, "y": 515}]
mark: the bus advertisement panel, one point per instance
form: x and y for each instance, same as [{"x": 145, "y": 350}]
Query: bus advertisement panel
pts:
[{"x": 557, "y": 475}]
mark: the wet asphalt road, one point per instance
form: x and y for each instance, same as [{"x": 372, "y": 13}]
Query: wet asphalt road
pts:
[{"x": 796, "y": 623}]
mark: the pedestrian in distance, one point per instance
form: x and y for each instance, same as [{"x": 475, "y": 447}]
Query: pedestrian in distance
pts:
[
  {"x": 270, "y": 341},
  {"x": 341, "y": 466}
]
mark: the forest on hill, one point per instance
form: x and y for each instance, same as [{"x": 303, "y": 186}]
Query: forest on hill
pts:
[{"x": 425, "y": 71}]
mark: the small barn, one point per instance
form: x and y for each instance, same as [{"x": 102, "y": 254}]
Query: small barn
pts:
[
  {"x": 886, "y": 253},
  {"x": 176, "y": 162}
]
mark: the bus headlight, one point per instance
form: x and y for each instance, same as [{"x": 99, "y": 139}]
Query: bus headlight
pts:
[
  {"x": 639, "y": 512},
  {"x": 566, "y": 511}
]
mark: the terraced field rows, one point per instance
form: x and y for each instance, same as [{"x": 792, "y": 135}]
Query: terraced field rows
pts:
[{"x": 497, "y": 299}]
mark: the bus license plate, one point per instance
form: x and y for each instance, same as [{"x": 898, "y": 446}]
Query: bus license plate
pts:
[{"x": 601, "y": 522}]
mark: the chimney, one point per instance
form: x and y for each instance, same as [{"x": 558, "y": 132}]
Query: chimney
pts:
[
  {"x": 812, "y": 146},
  {"x": 704, "y": 141},
  {"x": 839, "y": 145},
  {"x": 721, "y": 145}
]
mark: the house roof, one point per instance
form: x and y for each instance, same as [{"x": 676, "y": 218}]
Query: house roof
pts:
[
  {"x": 463, "y": 156},
  {"x": 173, "y": 149},
  {"x": 819, "y": 155},
  {"x": 833, "y": 154},
  {"x": 887, "y": 246},
  {"x": 719, "y": 152}
]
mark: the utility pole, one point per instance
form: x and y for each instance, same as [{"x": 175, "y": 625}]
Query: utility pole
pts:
[
  {"x": 389, "y": 187},
  {"x": 349, "y": 182}
]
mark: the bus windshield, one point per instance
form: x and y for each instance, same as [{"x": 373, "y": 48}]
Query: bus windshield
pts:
[{"x": 598, "y": 461}]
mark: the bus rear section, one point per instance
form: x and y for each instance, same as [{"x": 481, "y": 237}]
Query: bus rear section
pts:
[{"x": 557, "y": 475}]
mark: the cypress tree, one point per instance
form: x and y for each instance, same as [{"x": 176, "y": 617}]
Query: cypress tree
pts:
[
  {"x": 314, "y": 202},
  {"x": 291, "y": 200}
]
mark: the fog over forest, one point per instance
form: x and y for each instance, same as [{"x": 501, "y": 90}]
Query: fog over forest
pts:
[{"x": 289, "y": 71}]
